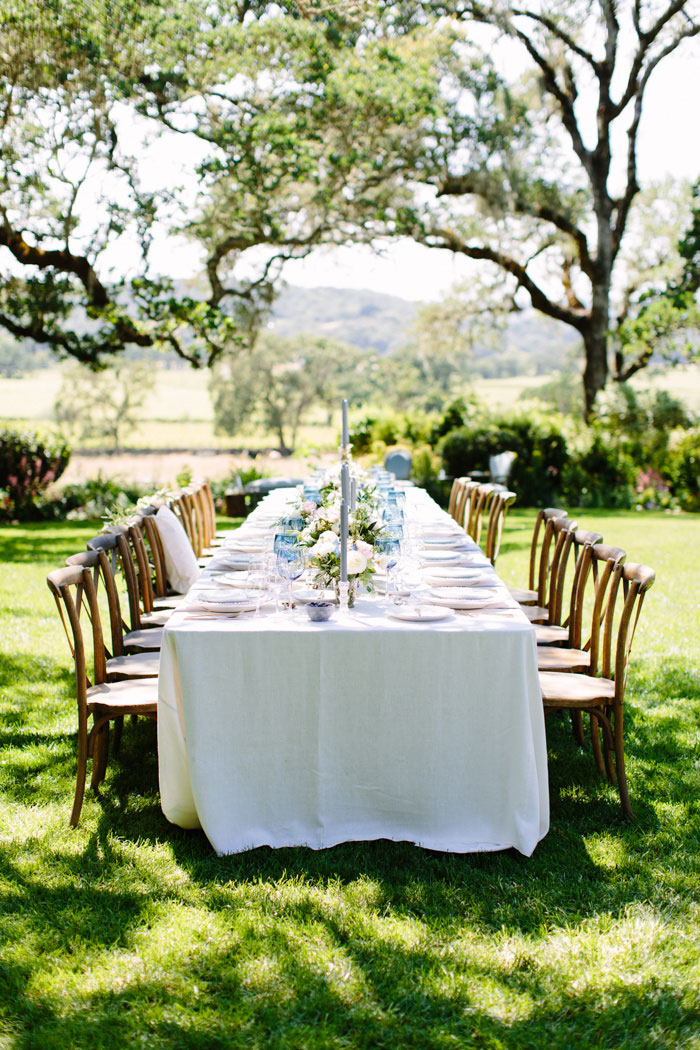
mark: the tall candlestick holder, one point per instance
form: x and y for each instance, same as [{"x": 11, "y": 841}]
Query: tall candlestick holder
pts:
[
  {"x": 345, "y": 453},
  {"x": 343, "y": 595}
]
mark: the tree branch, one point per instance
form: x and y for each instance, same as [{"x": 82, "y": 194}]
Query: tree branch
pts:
[
  {"x": 464, "y": 184},
  {"x": 63, "y": 261},
  {"x": 559, "y": 33},
  {"x": 447, "y": 238}
]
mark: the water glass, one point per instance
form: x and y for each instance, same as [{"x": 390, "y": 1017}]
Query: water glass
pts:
[{"x": 291, "y": 563}]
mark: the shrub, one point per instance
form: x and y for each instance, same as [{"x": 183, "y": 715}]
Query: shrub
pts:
[
  {"x": 94, "y": 499},
  {"x": 599, "y": 475},
  {"x": 28, "y": 464},
  {"x": 683, "y": 470},
  {"x": 425, "y": 471},
  {"x": 540, "y": 448}
]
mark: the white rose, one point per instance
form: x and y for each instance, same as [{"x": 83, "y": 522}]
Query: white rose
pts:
[{"x": 357, "y": 563}]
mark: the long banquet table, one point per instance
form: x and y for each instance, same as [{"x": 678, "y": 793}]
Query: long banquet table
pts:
[{"x": 276, "y": 730}]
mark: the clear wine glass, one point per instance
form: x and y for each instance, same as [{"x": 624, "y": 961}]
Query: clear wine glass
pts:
[
  {"x": 389, "y": 547},
  {"x": 291, "y": 563}
]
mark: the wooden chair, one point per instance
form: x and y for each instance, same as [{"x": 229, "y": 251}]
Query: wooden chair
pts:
[
  {"x": 500, "y": 504},
  {"x": 528, "y": 595},
  {"x": 601, "y": 692},
  {"x": 102, "y": 701},
  {"x": 553, "y": 569},
  {"x": 121, "y": 660},
  {"x": 164, "y": 597},
  {"x": 456, "y": 494},
  {"x": 141, "y": 633},
  {"x": 478, "y": 507},
  {"x": 564, "y": 648}
]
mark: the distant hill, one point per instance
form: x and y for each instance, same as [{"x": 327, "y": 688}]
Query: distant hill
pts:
[
  {"x": 531, "y": 343},
  {"x": 366, "y": 319}
]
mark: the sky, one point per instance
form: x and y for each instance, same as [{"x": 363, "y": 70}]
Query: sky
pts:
[{"x": 669, "y": 143}]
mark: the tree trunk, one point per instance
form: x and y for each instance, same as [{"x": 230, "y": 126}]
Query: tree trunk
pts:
[{"x": 595, "y": 374}]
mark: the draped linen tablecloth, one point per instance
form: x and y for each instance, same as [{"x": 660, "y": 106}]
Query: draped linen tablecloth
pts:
[{"x": 275, "y": 730}]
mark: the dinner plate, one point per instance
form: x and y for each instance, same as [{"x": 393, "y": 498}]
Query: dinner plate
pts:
[
  {"x": 467, "y": 598},
  {"x": 250, "y": 546},
  {"x": 439, "y": 557},
  {"x": 227, "y": 605},
  {"x": 310, "y": 595},
  {"x": 229, "y": 562},
  {"x": 418, "y": 613},
  {"x": 241, "y": 579},
  {"x": 442, "y": 540},
  {"x": 461, "y": 577}
]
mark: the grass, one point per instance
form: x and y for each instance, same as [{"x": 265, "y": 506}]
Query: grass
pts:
[{"x": 129, "y": 932}]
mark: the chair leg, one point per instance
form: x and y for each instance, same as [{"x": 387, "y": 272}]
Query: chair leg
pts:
[
  {"x": 117, "y": 734},
  {"x": 577, "y": 727},
  {"x": 100, "y": 750},
  {"x": 595, "y": 741},
  {"x": 620, "y": 764},
  {"x": 79, "y": 781}
]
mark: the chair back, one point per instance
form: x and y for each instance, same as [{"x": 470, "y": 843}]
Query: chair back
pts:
[
  {"x": 478, "y": 507},
  {"x": 74, "y": 592},
  {"x": 209, "y": 509},
  {"x": 117, "y": 543},
  {"x": 500, "y": 504},
  {"x": 183, "y": 506},
  {"x": 456, "y": 493},
  {"x": 544, "y": 515},
  {"x": 627, "y": 591},
  {"x": 151, "y": 534},
  {"x": 98, "y": 562},
  {"x": 557, "y": 544}
]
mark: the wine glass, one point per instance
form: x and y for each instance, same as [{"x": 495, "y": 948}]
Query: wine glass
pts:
[
  {"x": 284, "y": 538},
  {"x": 389, "y": 547},
  {"x": 293, "y": 523},
  {"x": 290, "y": 565}
]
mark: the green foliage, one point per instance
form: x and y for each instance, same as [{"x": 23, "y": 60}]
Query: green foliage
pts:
[
  {"x": 683, "y": 468},
  {"x": 92, "y": 499},
  {"x": 100, "y": 407},
  {"x": 237, "y": 479},
  {"x": 28, "y": 463},
  {"x": 641, "y": 423},
  {"x": 377, "y": 433},
  {"x": 599, "y": 475},
  {"x": 277, "y": 383},
  {"x": 540, "y": 448}
]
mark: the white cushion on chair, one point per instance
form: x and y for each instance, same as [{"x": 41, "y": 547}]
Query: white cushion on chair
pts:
[{"x": 180, "y": 560}]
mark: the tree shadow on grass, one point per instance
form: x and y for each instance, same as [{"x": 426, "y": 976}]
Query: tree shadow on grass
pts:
[{"x": 264, "y": 991}]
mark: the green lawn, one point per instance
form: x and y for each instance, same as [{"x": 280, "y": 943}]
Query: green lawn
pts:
[{"x": 129, "y": 932}]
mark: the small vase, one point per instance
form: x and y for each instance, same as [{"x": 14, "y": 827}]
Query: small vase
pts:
[{"x": 352, "y": 590}]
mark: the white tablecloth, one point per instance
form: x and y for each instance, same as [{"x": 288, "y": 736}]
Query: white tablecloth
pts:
[{"x": 278, "y": 731}]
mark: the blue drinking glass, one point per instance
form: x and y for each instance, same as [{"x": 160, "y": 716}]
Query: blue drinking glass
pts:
[{"x": 284, "y": 538}]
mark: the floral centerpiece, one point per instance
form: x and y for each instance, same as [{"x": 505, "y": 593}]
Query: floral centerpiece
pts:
[{"x": 321, "y": 537}]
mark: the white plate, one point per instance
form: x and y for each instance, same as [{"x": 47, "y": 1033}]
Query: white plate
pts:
[
  {"x": 418, "y": 613},
  {"x": 461, "y": 578},
  {"x": 230, "y": 562},
  {"x": 442, "y": 541},
  {"x": 227, "y": 607},
  {"x": 310, "y": 595},
  {"x": 245, "y": 547},
  {"x": 241, "y": 580},
  {"x": 462, "y": 600},
  {"x": 439, "y": 557}
]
